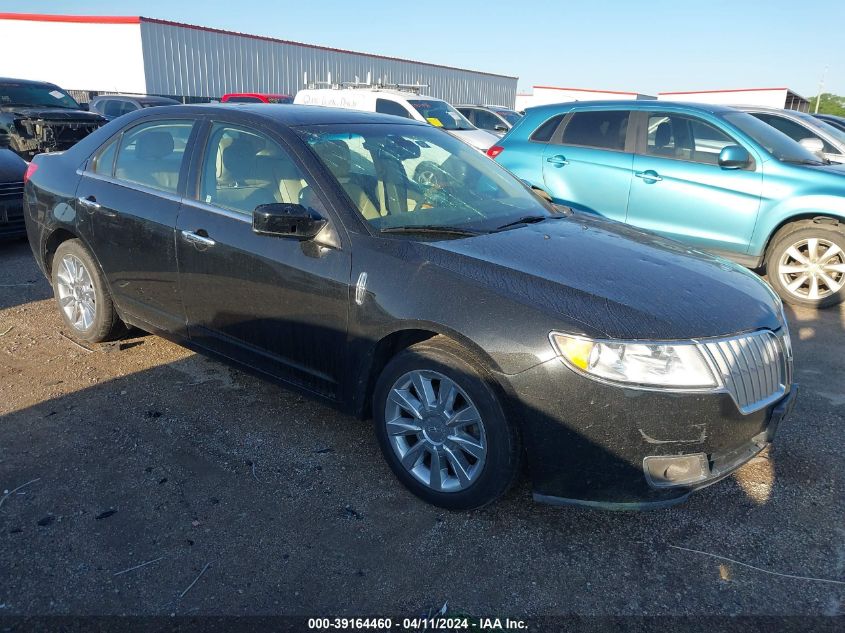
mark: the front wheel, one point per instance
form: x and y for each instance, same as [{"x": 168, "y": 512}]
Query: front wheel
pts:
[
  {"x": 442, "y": 429},
  {"x": 806, "y": 264}
]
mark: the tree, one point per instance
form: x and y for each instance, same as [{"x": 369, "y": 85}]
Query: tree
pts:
[{"x": 829, "y": 104}]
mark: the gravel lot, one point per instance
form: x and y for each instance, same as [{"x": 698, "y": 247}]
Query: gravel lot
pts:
[{"x": 153, "y": 452}]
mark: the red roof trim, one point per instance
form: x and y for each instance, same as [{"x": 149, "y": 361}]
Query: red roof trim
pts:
[
  {"x": 702, "y": 92},
  {"x": 608, "y": 92},
  {"x": 77, "y": 19},
  {"x": 265, "y": 38}
]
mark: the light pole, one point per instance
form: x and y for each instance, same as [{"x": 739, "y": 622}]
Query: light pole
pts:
[{"x": 821, "y": 87}]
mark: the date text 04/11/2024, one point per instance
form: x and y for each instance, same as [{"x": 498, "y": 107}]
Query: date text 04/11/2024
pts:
[{"x": 418, "y": 624}]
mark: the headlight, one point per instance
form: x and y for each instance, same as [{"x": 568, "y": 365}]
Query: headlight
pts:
[{"x": 676, "y": 365}]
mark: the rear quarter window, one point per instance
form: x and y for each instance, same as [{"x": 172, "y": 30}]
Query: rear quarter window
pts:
[{"x": 544, "y": 133}]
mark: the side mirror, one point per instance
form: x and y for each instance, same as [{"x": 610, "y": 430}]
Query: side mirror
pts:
[
  {"x": 85, "y": 106},
  {"x": 500, "y": 128},
  {"x": 814, "y": 145},
  {"x": 734, "y": 157},
  {"x": 284, "y": 219}
]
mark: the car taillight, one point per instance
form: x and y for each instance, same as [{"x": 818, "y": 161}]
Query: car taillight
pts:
[
  {"x": 30, "y": 169},
  {"x": 495, "y": 150}
]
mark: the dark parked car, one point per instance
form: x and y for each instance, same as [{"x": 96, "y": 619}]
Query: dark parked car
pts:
[
  {"x": 40, "y": 117},
  {"x": 831, "y": 119},
  {"x": 12, "y": 169},
  {"x": 476, "y": 323},
  {"x": 113, "y": 106}
]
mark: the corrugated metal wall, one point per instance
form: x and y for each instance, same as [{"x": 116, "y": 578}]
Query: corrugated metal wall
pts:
[{"x": 196, "y": 62}]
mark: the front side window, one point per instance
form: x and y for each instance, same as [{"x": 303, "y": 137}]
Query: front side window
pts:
[
  {"x": 385, "y": 106},
  {"x": 771, "y": 140},
  {"x": 511, "y": 116},
  {"x": 601, "y": 129},
  {"x": 792, "y": 129},
  {"x": 685, "y": 138},
  {"x": 151, "y": 154},
  {"x": 440, "y": 114},
  {"x": 487, "y": 121},
  {"x": 406, "y": 176},
  {"x": 244, "y": 169}
]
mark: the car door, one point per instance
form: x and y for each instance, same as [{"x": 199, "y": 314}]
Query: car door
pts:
[
  {"x": 680, "y": 191},
  {"x": 587, "y": 163},
  {"x": 130, "y": 194},
  {"x": 276, "y": 304}
]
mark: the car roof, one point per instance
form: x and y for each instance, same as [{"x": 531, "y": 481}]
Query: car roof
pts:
[
  {"x": 28, "y": 82},
  {"x": 292, "y": 115},
  {"x": 637, "y": 104}
]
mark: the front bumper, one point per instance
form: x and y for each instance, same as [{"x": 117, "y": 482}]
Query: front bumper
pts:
[{"x": 587, "y": 442}]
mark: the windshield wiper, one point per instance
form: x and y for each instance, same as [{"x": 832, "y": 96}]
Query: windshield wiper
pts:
[
  {"x": 432, "y": 229},
  {"x": 528, "y": 219}
]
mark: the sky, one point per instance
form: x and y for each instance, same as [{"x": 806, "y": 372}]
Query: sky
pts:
[{"x": 648, "y": 47}]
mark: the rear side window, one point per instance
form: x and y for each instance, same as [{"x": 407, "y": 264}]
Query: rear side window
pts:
[
  {"x": 104, "y": 162},
  {"x": 151, "y": 154},
  {"x": 391, "y": 107},
  {"x": 117, "y": 107},
  {"x": 603, "y": 129},
  {"x": 544, "y": 133}
]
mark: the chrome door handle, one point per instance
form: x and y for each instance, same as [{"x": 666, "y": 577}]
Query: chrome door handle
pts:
[
  {"x": 196, "y": 238},
  {"x": 648, "y": 175},
  {"x": 89, "y": 203},
  {"x": 557, "y": 160}
]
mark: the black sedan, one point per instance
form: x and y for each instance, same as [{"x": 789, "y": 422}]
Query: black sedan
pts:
[
  {"x": 12, "y": 170},
  {"x": 476, "y": 324}
]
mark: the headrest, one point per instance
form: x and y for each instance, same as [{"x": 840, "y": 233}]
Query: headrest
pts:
[
  {"x": 154, "y": 145},
  {"x": 336, "y": 155},
  {"x": 238, "y": 159},
  {"x": 663, "y": 134}
]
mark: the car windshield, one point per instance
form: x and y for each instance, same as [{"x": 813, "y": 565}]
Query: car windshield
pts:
[
  {"x": 411, "y": 178},
  {"x": 772, "y": 140},
  {"x": 510, "y": 116},
  {"x": 38, "y": 95},
  {"x": 441, "y": 114}
]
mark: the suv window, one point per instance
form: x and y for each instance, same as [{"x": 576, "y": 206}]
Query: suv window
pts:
[
  {"x": 793, "y": 130},
  {"x": 603, "y": 129},
  {"x": 391, "y": 107},
  {"x": 544, "y": 133},
  {"x": 244, "y": 169},
  {"x": 151, "y": 154},
  {"x": 486, "y": 120},
  {"x": 117, "y": 107},
  {"x": 685, "y": 138}
]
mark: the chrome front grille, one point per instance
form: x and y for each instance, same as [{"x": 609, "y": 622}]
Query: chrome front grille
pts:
[{"x": 756, "y": 369}]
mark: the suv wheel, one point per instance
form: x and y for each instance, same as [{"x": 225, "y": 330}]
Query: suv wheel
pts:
[
  {"x": 84, "y": 300},
  {"x": 442, "y": 429},
  {"x": 806, "y": 264}
]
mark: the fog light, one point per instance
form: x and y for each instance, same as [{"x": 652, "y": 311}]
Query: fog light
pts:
[{"x": 676, "y": 470}]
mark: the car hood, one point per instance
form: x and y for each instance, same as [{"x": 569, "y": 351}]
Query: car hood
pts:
[
  {"x": 54, "y": 114},
  {"x": 12, "y": 167},
  {"x": 612, "y": 280},
  {"x": 479, "y": 139}
]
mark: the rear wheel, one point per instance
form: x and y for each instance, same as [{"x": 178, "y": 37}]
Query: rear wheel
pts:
[
  {"x": 84, "y": 300},
  {"x": 442, "y": 429},
  {"x": 806, "y": 264}
]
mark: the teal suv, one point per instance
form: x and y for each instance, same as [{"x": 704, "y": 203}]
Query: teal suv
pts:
[{"x": 713, "y": 177}]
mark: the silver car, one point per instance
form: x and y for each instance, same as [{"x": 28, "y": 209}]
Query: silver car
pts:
[{"x": 815, "y": 135}]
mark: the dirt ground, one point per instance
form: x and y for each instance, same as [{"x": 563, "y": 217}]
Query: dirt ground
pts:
[{"x": 153, "y": 453}]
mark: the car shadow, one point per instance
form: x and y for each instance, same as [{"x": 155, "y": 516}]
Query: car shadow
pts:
[{"x": 21, "y": 282}]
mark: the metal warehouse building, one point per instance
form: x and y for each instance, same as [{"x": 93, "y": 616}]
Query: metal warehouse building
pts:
[{"x": 148, "y": 56}]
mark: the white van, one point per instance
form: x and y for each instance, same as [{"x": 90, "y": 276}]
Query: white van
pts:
[{"x": 400, "y": 103}]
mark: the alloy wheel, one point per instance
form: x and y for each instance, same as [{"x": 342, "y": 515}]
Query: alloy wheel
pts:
[
  {"x": 812, "y": 269},
  {"x": 436, "y": 431},
  {"x": 76, "y": 293}
]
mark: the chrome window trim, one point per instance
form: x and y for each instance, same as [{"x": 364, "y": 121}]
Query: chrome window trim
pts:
[{"x": 135, "y": 186}]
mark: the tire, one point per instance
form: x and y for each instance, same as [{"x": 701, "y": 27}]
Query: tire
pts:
[
  {"x": 805, "y": 264},
  {"x": 82, "y": 295},
  {"x": 429, "y": 174},
  {"x": 468, "y": 477}
]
